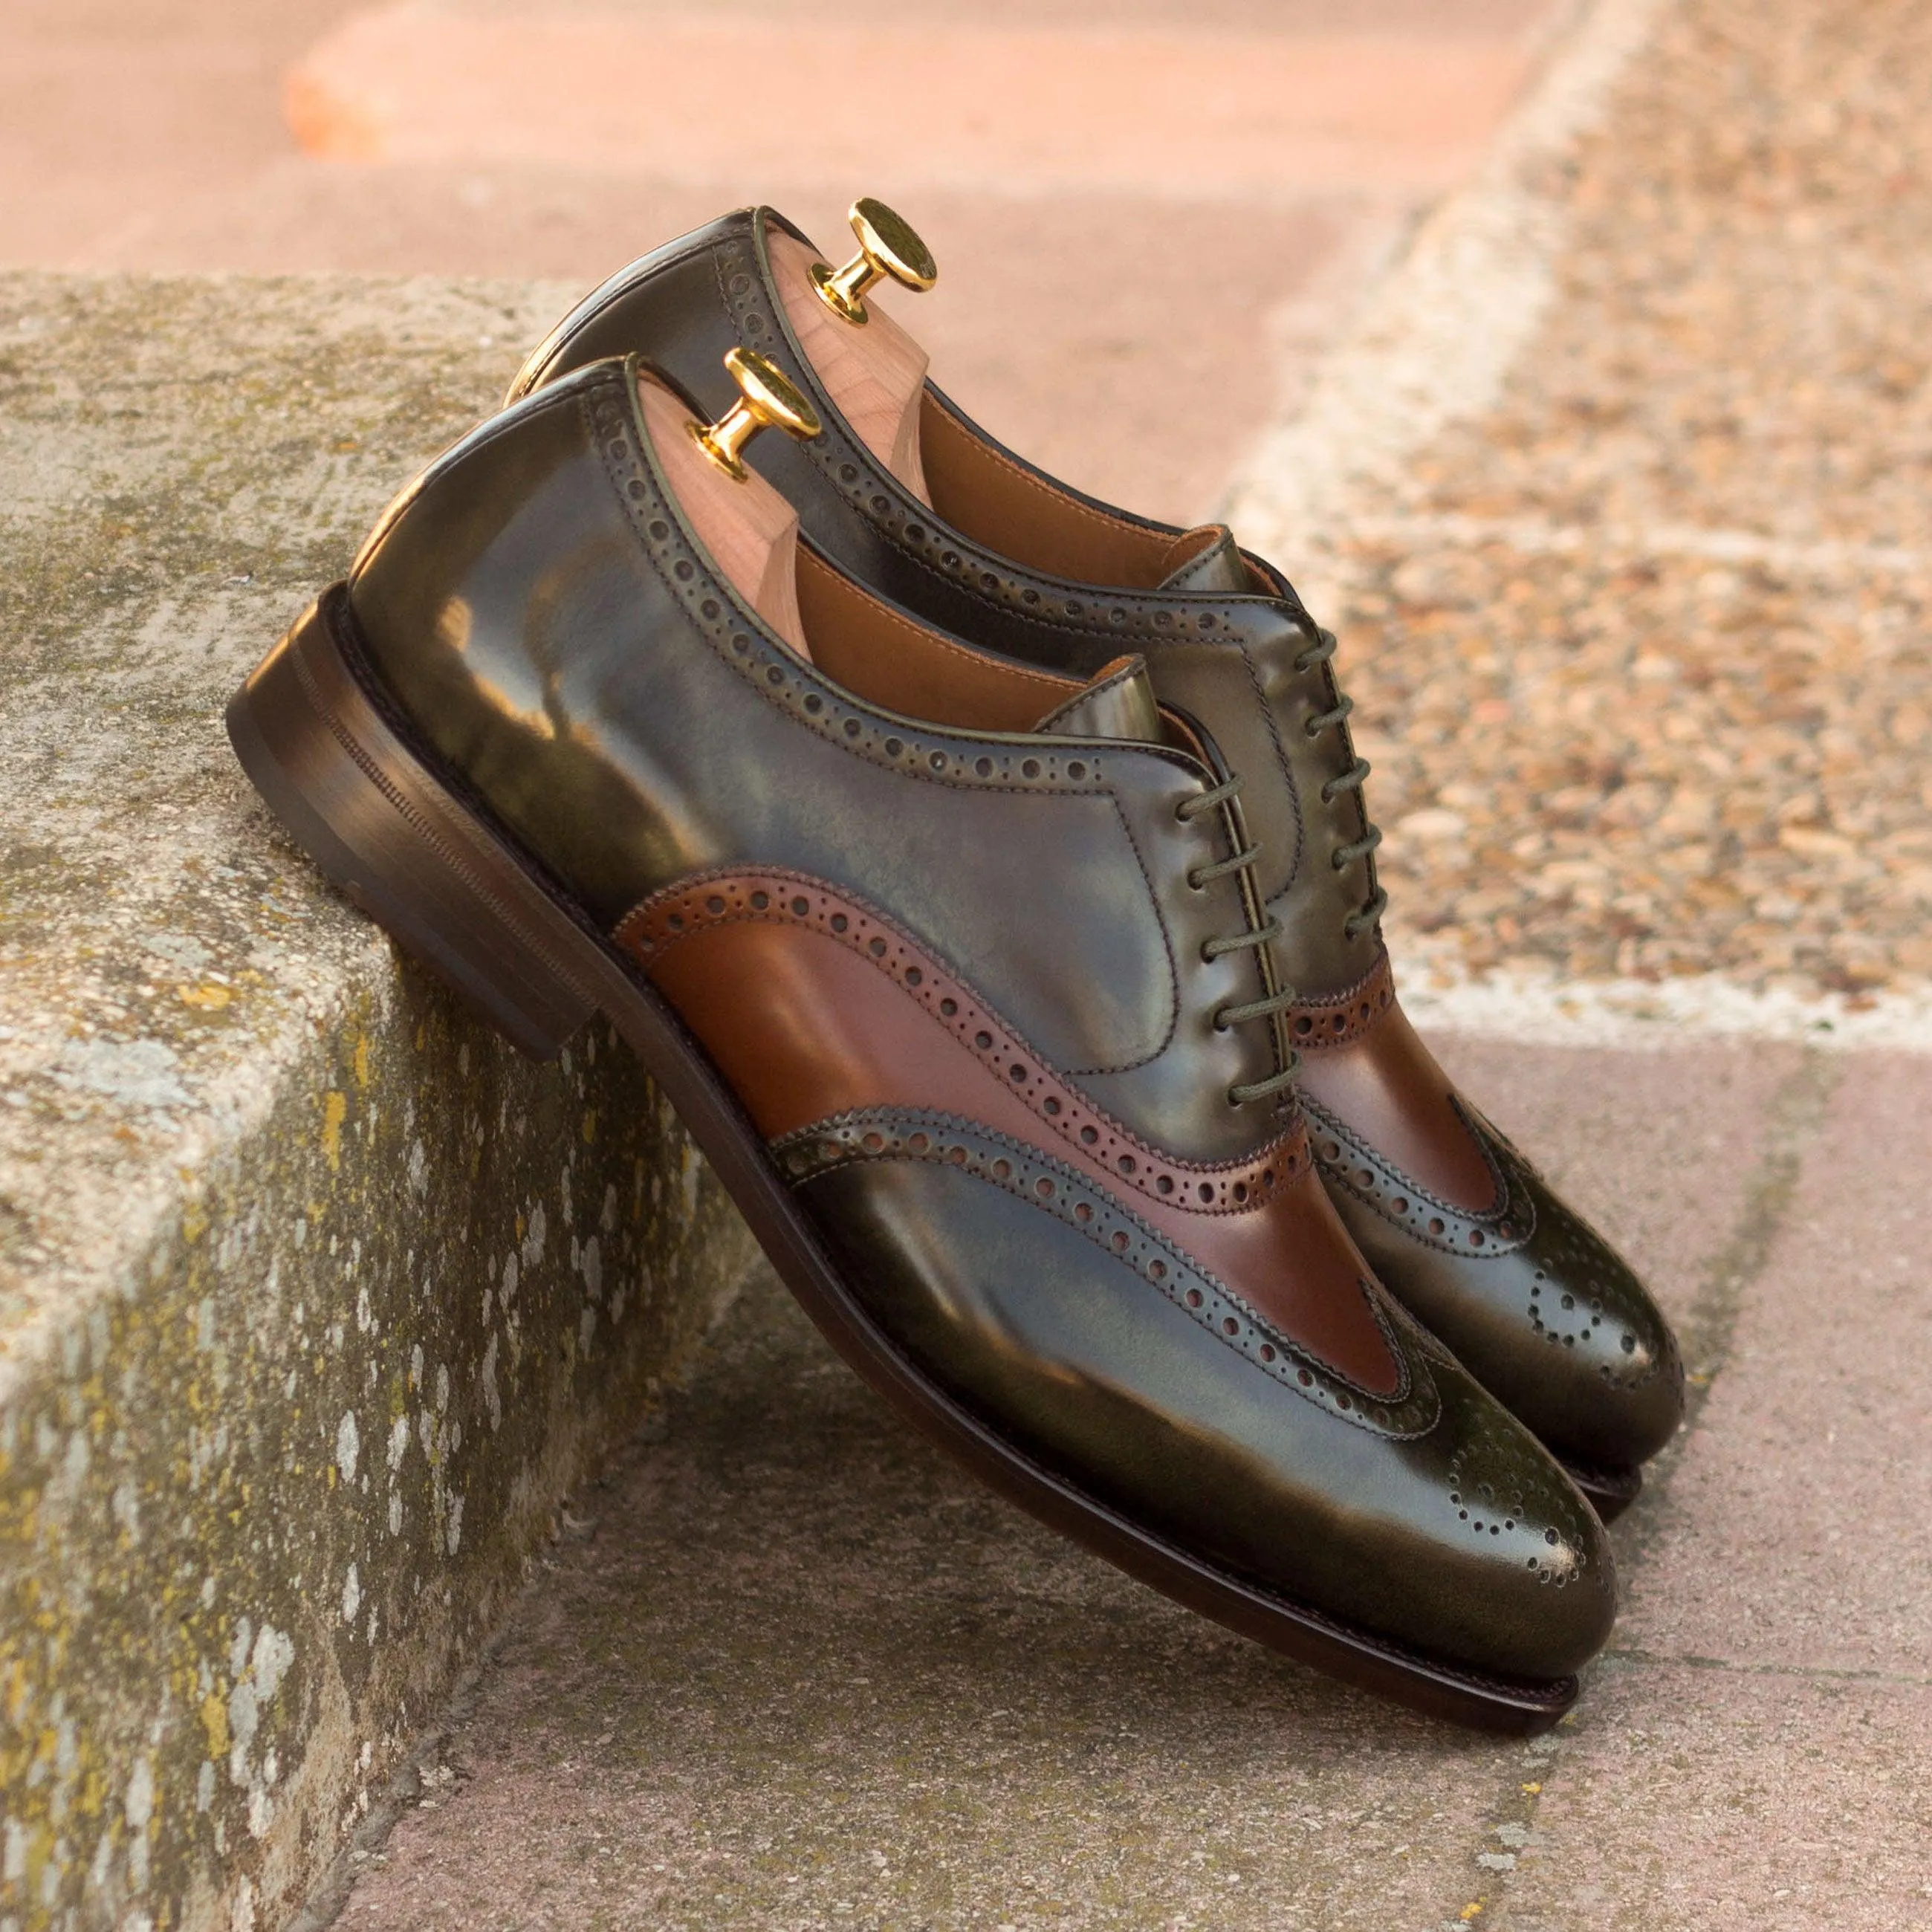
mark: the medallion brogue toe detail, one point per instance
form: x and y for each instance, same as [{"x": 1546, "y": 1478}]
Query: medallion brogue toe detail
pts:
[
  {"x": 908, "y": 494},
  {"x": 1541, "y": 1307},
  {"x": 958, "y": 971}
]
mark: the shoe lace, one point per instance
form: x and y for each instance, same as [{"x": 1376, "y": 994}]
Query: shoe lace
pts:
[
  {"x": 1257, "y": 938},
  {"x": 1344, "y": 855}
]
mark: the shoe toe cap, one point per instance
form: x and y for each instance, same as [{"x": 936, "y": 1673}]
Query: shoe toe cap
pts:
[{"x": 1549, "y": 1316}]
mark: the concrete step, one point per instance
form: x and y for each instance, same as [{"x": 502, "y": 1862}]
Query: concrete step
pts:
[{"x": 314, "y": 1297}]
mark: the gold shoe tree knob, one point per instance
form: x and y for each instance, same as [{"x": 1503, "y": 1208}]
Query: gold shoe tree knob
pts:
[
  {"x": 767, "y": 399},
  {"x": 887, "y": 247}
]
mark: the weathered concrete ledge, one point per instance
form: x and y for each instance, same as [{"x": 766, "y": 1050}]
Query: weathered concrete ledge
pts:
[{"x": 314, "y": 1298}]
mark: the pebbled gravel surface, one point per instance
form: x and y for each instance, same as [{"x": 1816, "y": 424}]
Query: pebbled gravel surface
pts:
[{"x": 1641, "y": 656}]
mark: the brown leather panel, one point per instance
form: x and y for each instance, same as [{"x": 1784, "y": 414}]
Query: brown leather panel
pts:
[
  {"x": 668, "y": 919},
  {"x": 1014, "y": 510},
  {"x": 1316, "y": 1025},
  {"x": 846, "y": 1011},
  {"x": 881, "y": 655},
  {"x": 1385, "y": 1084}
]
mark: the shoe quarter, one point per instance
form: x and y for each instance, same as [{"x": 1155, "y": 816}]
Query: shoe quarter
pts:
[{"x": 544, "y": 611}]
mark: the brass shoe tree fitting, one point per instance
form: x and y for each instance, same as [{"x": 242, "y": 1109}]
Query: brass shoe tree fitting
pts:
[
  {"x": 889, "y": 249},
  {"x": 767, "y": 399}
]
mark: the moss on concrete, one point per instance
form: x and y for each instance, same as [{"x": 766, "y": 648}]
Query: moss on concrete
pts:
[{"x": 314, "y": 1297}]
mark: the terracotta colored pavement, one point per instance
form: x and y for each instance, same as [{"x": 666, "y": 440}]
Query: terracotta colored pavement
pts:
[
  {"x": 785, "y": 1669},
  {"x": 1148, "y": 215}
]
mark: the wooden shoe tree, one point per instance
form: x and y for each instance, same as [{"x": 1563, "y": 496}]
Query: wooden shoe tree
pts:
[
  {"x": 871, "y": 367},
  {"x": 875, "y": 374},
  {"x": 751, "y": 533}
]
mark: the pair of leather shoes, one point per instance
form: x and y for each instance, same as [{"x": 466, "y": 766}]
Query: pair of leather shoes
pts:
[{"x": 975, "y": 875}]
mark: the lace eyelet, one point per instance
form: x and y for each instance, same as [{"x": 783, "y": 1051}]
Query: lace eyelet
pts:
[
  {"x": 1208, "y": 955},
  {"x": 1311, "y": 728},
  {"x": 1336, "y": 862},
  {"x": 1195, "y": 881},
  {"x": 1221, "y": 1023}
]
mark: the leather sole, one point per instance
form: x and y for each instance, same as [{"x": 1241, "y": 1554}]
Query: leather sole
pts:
[{"x": 333, "y": 760}]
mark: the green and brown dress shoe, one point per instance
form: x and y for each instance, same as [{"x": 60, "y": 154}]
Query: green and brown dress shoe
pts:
[
  {"x": 958, "y": 971},
  {"x": 906, "y": 494}
]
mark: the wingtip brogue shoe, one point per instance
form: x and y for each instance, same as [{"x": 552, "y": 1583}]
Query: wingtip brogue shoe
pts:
[
  {"x": 929, "y": 509},
  {"x": 976, "y": 1020}
]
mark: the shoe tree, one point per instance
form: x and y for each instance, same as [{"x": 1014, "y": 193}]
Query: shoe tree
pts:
[
  {"x": 875, "y": 373},
  {"x": 751, "y": 531},
  {"x": 870, "y": 366},
  {"x": 751, "y": 534}
]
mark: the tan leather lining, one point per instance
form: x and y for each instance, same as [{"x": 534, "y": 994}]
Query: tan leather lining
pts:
[
  {"x": 1016, "y": 513},
  {"x": 886, "y": 657},
  {"x": 812, "y": 1007}
]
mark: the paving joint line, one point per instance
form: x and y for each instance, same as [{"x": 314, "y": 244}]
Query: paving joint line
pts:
[{"x": 1795, "y": 1111}]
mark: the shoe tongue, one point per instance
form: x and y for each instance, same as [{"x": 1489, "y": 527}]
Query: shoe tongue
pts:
[
  {"x": 1206, "y": 562},
  {"x": 1119, "y": 703}
]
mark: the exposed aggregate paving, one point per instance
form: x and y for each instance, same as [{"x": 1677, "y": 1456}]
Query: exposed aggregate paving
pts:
[{"x": 1642, "y": 655}]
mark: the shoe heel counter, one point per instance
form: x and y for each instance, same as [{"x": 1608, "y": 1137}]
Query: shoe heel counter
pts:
[
  {"x": 671, "y": 306},
  {"x": 426, "y": 554},
  {"x": 509, "y": 606}
]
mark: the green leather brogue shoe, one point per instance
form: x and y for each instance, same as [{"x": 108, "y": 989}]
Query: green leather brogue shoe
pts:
[
  {"x": 971, "y": 1006},
  {"x": 906, "y": 494}
]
